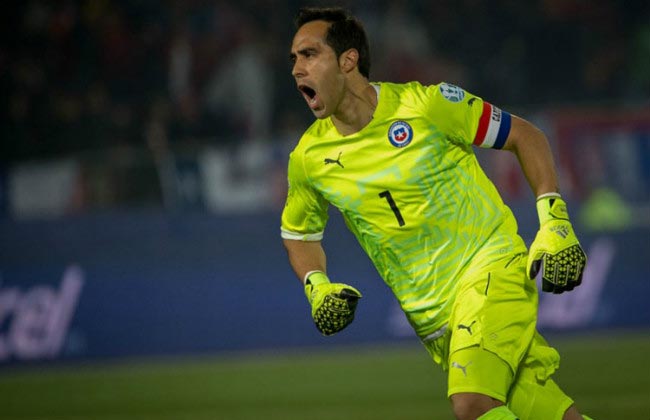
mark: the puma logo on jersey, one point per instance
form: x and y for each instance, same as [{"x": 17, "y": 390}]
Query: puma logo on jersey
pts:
[
  {"x": 337, "y": 160},
  {"x": 461, "y": 367},
  {"x": 466, "y": 327}
]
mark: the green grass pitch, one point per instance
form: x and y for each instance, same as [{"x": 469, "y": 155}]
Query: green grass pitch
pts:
[{"x": 607, "y": 374}]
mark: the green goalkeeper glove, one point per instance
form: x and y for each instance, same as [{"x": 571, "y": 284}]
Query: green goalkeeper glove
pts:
[
  {"x": 555, "y": 250},
  {"x": 332, "y": 304}
]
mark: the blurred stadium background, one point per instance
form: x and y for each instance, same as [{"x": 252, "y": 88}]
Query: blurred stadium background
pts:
[{"x": 143, "y": 147}]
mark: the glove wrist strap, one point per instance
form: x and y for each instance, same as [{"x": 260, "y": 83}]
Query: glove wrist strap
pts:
[
  {"x": 550, "y": 206},
  {"x": 315, "y": 278}
]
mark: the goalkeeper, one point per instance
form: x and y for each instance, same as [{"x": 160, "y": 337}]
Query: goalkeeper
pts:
[{"x": 397, "y": 161}]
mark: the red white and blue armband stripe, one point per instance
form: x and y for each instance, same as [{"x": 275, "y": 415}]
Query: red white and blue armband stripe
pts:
[{"x": 493, "y": 127}]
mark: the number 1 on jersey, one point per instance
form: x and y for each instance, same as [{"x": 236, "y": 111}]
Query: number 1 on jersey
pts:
[{"x": 393, "y": 206}]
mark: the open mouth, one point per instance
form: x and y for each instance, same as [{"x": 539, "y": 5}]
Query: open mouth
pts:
[{"x": 309, "y": 94}]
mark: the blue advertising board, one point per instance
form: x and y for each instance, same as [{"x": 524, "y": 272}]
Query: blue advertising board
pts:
[{"x": 154, "y": 283}]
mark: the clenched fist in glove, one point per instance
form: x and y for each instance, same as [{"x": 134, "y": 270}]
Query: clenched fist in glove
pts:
[
  {"x": 555, "y": 251},
  {"x": 332, "y": 304}
]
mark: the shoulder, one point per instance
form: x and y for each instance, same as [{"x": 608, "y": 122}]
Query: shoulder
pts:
[
  {"x": 415, "y": 91},
  {"x": 416, "y": 96},
  {"x": 312, "y": 137},
  {"x": 316, "y": 130},
  {"x": 404, "y": 92}
]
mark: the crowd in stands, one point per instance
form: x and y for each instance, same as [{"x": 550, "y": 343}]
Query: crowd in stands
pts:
[{"x": 90, "y": 75}]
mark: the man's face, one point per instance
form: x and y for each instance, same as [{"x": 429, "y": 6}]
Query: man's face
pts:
[{"x": 316, "y": 69}]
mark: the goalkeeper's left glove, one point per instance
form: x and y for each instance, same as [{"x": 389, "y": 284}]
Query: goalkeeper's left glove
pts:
[
  {"x": 555, "y": 250},
  {"x": 332, "y": 304}
]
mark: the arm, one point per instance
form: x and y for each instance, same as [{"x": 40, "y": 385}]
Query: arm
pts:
[
  {"x": 305, "y": 256},
  {"x": 555, "y": 251},
  {"x": 303, "y": 222},
  {"x": 531, "y": 147}
]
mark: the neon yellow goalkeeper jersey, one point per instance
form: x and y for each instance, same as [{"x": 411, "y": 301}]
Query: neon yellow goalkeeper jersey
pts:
[{"x": 412, "y": 192}]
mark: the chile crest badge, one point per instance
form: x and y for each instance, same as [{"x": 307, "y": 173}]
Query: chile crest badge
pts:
[{"x": 400, "y": 134}]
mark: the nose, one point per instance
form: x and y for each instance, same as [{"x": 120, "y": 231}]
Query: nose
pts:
[{"x": 297, "y": 70}]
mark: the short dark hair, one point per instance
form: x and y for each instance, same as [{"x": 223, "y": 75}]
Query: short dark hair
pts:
[{"x": 345, "y": 32}]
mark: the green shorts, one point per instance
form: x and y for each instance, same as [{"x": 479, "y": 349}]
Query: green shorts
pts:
[{"x": 491, "y": 345}]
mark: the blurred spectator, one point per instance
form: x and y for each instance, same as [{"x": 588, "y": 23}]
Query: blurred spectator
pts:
[
  {"x": 239, "y": 93},
  {"x": 180, "y": 64},
  {"x": 217, "y": 63},
  {"x": 150, "y": 79}
]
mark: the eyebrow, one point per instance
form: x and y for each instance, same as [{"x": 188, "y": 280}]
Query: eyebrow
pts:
[{"x": 304, "y": 51}]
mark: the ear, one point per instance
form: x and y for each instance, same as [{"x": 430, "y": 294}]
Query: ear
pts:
[{"x": 348, "y": 60}]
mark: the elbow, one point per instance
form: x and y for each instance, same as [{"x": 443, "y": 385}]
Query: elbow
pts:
[{"x": 524, "y": 135}]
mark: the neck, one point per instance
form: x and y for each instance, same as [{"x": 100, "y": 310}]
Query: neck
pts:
[{"x": 356, "y": 108}]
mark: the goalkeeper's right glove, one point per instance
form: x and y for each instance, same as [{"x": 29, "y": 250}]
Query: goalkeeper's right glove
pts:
[{"x": 332, "y": 304}]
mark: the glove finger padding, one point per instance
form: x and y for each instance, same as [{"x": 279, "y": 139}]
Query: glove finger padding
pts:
[
  {"x": 332, "y": 304},
  {"x": 557, "y": 253},
  {"x": 337, "y": 311},
  {"x": 567, "y": 268}
]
